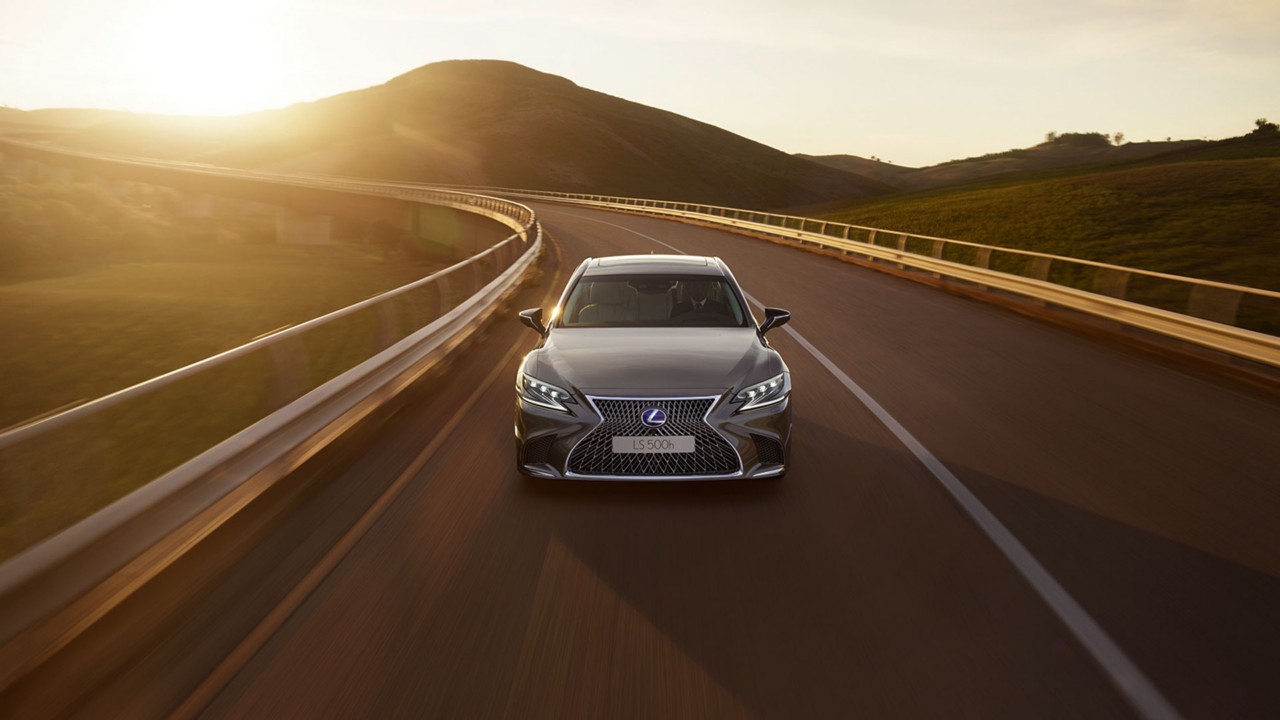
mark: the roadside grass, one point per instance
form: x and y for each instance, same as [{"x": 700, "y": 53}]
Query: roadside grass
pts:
[
  {"x": 155, "y": 306},
  {"x": 82, "y": 336},
  {"x": 1213, "y": 220}
]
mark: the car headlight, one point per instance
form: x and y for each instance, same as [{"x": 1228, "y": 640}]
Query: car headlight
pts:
[
  {"x": 774, "y": 390},
  {"x": 536, "y": 392}
]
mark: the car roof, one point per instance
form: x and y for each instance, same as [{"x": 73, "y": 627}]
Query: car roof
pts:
[{"x": 653, "y": 264}]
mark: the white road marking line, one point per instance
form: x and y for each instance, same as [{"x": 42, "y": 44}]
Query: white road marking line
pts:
[{"x": 1132, "y": 683}]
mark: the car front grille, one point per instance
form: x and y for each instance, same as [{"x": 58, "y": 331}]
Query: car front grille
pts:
[{"x": 594, "y": 454}]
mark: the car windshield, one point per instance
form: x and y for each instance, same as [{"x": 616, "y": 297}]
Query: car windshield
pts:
[{"x": 653, "y": 301}]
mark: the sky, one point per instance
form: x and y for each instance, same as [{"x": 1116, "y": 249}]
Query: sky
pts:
[{"x": 914, "y": 82}]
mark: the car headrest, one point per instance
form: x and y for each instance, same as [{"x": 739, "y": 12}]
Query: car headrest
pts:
[{"x": 611, "y": 293}]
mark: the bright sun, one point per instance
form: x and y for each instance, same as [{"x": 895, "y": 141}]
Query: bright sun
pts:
[{"x": 209, "y": 58}]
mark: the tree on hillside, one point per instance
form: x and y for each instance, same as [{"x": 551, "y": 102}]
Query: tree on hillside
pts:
[
  {"x": 1083, "y": 140},
  {"x": 1264, "y": 127},
  {"x": 1119, "y": 138},
  {"x": 1051, "y": 136}
]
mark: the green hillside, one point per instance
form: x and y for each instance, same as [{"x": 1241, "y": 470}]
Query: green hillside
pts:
[{"x": 1215, "y": 219}]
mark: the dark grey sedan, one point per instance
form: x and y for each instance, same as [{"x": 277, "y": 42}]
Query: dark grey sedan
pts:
[{"x": 652, "y": 367}]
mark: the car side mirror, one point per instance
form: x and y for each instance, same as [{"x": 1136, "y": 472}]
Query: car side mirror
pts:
[
  {"x": 533, "y": 318},
  {"x": 774, "y": 317}
]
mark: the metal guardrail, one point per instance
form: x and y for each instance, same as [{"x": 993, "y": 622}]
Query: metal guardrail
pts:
[
  {"x": 1234, "y": 319},
  {"x": 124, "y": 439},
  {"x": 287, "y": 369},
  {"x": 458, "y": 199},
  {"x": 52, "y": 590}
]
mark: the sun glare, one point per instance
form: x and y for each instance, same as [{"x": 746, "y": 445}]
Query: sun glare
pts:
[{"x": 206, "y": 58}]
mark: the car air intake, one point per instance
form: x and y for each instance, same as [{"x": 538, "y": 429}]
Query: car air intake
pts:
[
  {"x": 713, "y": 455},
  {"x": 768, "y": 450},
  {"x": 537, "y": 450}
]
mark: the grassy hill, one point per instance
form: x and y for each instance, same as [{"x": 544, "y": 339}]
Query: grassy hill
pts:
[
  {"x": 888, "y": 173},
  {"x": 1064, "y": 151},
  {"x": 494, "y": 123},
  {"x": 1211, "y": 211}
]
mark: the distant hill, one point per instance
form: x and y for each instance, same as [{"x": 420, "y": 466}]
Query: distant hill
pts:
[
  {"x": 1067, "y": 150},
  {"x": 494, "y": 123},
  {"x": 59, "y": 118},
  {"x": 52, "y": 123},
  {"x": 1209, "y": 211},
  {"x": 867, "y": 167}
]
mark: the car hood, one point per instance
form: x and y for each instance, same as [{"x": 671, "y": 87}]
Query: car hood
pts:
[{"x": 621, "y": 360}]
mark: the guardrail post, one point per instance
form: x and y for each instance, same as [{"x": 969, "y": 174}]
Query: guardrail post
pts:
[
  {"x": 845, "y": 235},
  {"x": 936, "y": 251},
  {"x": 442, "y": 287},
  {"x": 902, "y": 247},
  {"x": 477, "y": 276},
  {"x": 1219, "y": 305},
  {"x": 1039, "y": 268},
  {"x": 822, "y": 229},
  {"x": 983, "y": 261},
  {"x": 388, "y": 317},
  {"x": 1110, "y": 282},
  {"x": 292, "y": 369}
]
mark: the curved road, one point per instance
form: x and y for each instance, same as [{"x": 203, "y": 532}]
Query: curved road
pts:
[{"x": 855, "y": 587}]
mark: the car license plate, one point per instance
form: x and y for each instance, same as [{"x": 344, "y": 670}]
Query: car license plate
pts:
[{"x": 654, "y": 444}]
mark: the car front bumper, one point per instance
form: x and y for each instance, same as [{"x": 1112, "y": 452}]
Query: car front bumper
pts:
[{"x": 760, "y": 440}]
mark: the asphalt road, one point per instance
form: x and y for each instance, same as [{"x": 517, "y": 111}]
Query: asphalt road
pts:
[{"x": 855, "y": 587}]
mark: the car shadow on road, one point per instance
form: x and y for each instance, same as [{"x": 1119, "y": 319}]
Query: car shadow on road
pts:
[
  {"x": 771, "y": 587},
  {"x": 830, "y": 592}
]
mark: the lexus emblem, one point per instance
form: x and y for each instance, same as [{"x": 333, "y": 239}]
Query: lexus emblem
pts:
[{"x": 653, "y": 417}]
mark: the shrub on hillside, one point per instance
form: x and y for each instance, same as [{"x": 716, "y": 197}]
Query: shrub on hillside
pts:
[
  {"x": 1085, "y": 139},
  {"x": 1265, "y": 128}
]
